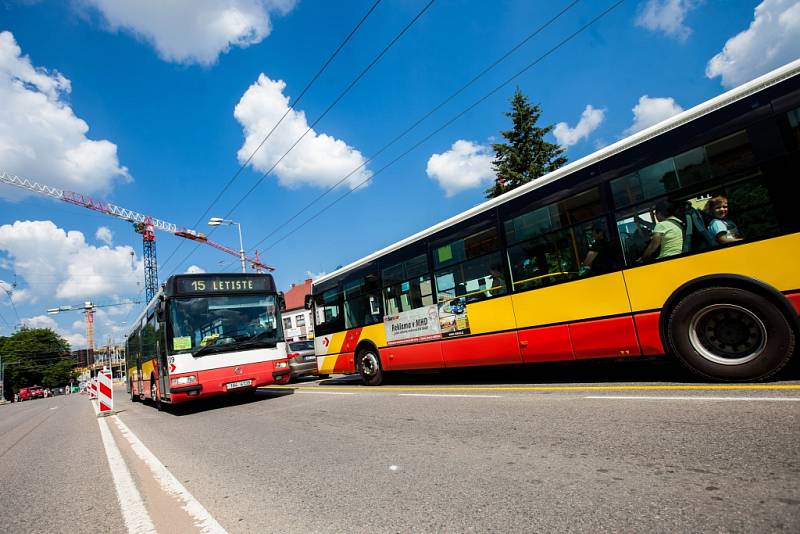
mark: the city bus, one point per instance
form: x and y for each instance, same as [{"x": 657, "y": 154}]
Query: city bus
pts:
[
  {"x": 616, "y": 255},
  {"x": 207, "y": 334}
]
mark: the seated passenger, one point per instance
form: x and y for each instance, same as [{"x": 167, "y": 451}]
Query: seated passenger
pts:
[
  {"x": 723, "y": 229},
  {"x": 598, "y": 260},
  {"x": 667, "y": 236}
]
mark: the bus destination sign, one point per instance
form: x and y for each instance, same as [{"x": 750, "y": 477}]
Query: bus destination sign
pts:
[{"x": 218, "y": 284}]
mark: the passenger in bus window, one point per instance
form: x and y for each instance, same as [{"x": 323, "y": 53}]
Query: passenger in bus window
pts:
[
  {"x": 598, "y": 260},
  {"x": 723, "y": 229},
  {"x": 667, "y": 237}
]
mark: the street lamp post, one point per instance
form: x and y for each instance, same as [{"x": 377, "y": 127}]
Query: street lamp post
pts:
[{"x": 217, "y": 221}]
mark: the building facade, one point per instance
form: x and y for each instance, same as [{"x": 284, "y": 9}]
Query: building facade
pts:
[{"x": 298, "y": 325}]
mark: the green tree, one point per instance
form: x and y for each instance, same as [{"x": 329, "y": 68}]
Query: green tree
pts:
[
  {"x": 526, "y": 155},
  {"x": 35, "y": 356}
]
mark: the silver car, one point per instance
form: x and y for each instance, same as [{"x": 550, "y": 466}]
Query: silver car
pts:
[{"x": 302, "y": 360}]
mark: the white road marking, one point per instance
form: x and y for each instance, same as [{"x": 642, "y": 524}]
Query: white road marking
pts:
[
  {"x": 644, "y": 397},
  {"x": 450, "y": 395},
  {"x": 325, "y": 392},
  {"x": 134, "y": 513},
  {"x": 202, "y": 519}
]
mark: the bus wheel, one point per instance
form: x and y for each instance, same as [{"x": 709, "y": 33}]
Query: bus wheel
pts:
[
  {"x": 154, "y": 394},
  {"x": 369, "y": 366},
  {"x": 730, "y": 334}
]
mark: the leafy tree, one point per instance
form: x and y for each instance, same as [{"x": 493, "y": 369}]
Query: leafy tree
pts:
[
  {"x": 526, "y": 155},
  {"x": 35, "y": 356}
]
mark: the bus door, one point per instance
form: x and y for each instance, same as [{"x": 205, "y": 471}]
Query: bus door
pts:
[{"x": 161, "y": 355}]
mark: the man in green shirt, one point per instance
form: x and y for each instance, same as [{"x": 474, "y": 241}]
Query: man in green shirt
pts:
[{"x": 667, "y": 236}]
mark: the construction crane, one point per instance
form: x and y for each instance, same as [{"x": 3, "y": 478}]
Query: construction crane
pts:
[
  {"x": 88, "y": 309},
  {"x": 142, "y": 224}
]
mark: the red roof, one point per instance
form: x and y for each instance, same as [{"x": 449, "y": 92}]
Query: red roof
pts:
[{"x": 296, "y": 296}]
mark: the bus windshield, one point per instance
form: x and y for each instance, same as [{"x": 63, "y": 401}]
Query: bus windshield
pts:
[{"x": 219, "y": 323}]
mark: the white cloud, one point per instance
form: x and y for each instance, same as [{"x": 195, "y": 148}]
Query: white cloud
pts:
[
  {"x": 465, "y": 166},
  {"x": 74, "y": 337},
  {"x": 591, "y": 118},
  {"x": 314, "y": 276},
  {"x": 666, "y": 16},
  {"x": 61, "y": 268},
  {"x": 193, "y": 31},
  {"x": 772, "y": 40},
  {"x": 319, "y": 159},
  {"x": 194, "y": 269},
  {"x": 650, "y": 111},
  {"x": 40, "y": 136},
  {"x": 105, "y": 235}
]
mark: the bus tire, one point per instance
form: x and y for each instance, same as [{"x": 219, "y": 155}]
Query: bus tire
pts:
[
  {"x": 369, "y": 366},
  {"x": 730, "y": 334},
  {"x": 154, "y": 394}
]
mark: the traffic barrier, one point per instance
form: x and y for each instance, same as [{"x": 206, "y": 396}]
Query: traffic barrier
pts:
[
  {"x": 105, "y": 392},
  {"x": 92, "y": 387}
]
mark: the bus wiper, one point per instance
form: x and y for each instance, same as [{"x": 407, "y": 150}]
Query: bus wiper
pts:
[{"x": 208, "y": 349}]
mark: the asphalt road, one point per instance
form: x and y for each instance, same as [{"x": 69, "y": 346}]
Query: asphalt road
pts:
[{"x": 461, "y": 452}]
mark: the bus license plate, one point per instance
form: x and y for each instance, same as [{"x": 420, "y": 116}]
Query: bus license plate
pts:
[
  {"x": 239, "y": 384},
  {"x": 310, "y": 358}
]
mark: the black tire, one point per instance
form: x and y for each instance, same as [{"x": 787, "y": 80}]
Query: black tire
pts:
[
  {"x": 730, "y": 334},
  {"x": 369, "y": 367},
  {"x": 154, "y": 394}
]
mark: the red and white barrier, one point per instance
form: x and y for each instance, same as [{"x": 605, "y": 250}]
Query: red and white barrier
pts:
[
  {"x": 92, "y": 388},
  {"x": 105, "y": 392}
]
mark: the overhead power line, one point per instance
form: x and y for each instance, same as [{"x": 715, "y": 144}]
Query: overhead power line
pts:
[
  {"x": 324, "y": 113},
  {"x": 454, "y": 118},
  {"x": 289, "y": 109},
  {"x": 420, "y": 120}
]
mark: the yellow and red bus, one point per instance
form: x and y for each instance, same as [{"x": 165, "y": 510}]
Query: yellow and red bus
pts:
[
  {"x": 207, "y": 334},
  {"x": 619, "y": 254}
]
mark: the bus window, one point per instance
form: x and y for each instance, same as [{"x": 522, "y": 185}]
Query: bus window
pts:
[
  {"x": 361, "y": 306},
  {"x": 328, "y": 311},
  {"x": 472, "y": 280},
  {"x": 407, "y": 286}
]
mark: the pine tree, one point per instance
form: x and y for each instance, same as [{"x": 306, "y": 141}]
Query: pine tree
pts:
[{"x": 526, "y": 156}]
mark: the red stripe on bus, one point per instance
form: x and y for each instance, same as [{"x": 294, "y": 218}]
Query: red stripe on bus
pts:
[
  {"x": 795, "y": 300},
  {"x": 490, "y": 349},
  {"x": 547, "y": 344},
  {"x": 648, "y": 329},
  {"x": 351, "y": 340},
  {"x": 604, "y": 338},
  {"x": 418, "y": 356},
  {"x": 345, "y": 363}
]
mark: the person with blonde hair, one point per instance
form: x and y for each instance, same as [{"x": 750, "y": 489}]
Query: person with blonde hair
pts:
[{"x": 723, "y": 229}]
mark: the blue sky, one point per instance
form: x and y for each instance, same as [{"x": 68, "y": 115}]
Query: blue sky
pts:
[{"x": 154, "y": 106}]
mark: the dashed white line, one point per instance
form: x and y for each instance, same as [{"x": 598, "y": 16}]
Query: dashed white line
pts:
[
  {"x": 450, "y": 395},
  {"x": 134, "y": 513},
  {"x": 687, "y": 398},
  {"x": 325, "y": 392},
  {"x": 202, "y": 519}
]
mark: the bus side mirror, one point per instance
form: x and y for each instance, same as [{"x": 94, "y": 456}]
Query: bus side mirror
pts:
[
  {"x": 309, "y": 301},
  {"x": 161, "y": 310},
  {"x": 281, "y": 302}
]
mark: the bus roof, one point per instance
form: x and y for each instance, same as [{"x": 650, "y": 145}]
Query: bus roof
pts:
[{"x": 767, "y": 80}]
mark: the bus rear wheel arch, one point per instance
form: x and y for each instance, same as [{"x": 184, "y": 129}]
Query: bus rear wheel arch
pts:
[
  {"x": 368, "y": 364},
  {"x": 730, "y": 334}
]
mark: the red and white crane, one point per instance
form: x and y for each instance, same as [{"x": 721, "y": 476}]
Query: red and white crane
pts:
[{"x": 143, "y": 224}]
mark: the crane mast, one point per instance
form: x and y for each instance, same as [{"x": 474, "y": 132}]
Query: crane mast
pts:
[{"x": 143, "y": 224}]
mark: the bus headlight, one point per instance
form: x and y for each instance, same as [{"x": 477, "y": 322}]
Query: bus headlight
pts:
[
  {"x": 281, "y": 365},
  {"x": 183, "y": 380}
]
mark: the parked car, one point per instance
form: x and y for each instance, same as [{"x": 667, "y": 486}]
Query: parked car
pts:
[
  {"x": 31, "y": 392},
  {"x": 302, "y": 360}
]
